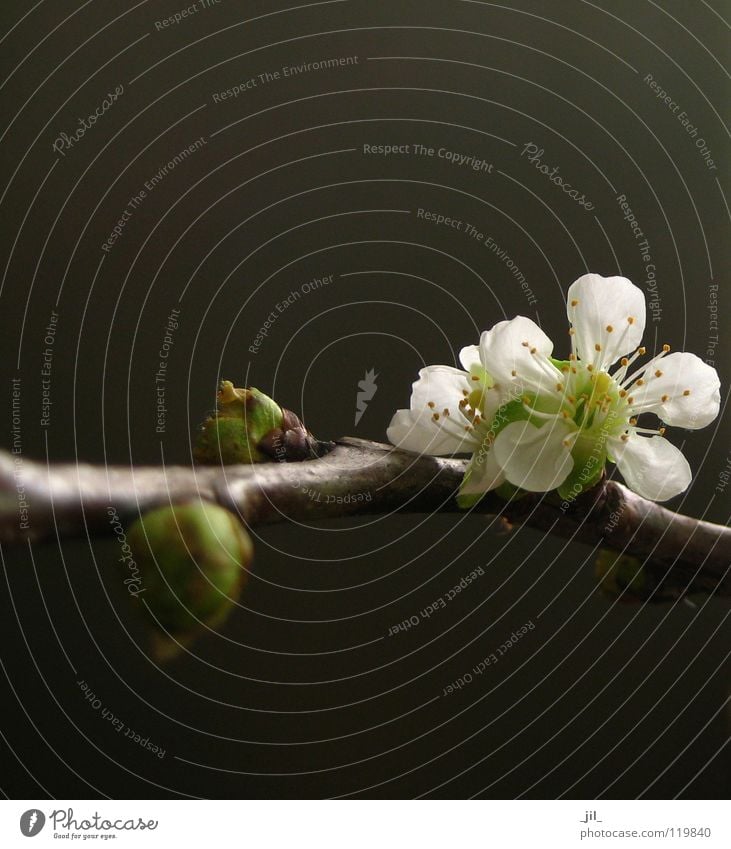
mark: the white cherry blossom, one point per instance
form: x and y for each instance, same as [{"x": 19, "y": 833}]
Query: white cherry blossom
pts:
[
  {"x": 579, "y": 413},
  {"x": 451, "y": 412},
  {"x": 540, "y": 423}
]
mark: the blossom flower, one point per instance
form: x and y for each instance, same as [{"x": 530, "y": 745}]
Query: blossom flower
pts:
[
  {"x": 453, "y": 412},
  {"x": 555, "y": 423}
]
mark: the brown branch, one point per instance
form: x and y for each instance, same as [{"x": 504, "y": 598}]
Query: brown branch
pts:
[{"x": 681, "y": 553}]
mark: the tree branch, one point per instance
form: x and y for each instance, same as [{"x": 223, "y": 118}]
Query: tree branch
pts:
[{"x": 682, "y": 554}]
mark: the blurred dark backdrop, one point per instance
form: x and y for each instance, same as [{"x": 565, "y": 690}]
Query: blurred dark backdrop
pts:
[{"x": 303, "y": 693}]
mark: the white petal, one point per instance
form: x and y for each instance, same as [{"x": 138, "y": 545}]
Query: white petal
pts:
[
  {"x": 595, "y": 303},
  {"x": 516, "y": 346},
  {"x": 470, "y": 356},
  {"x": 415, "y": 430},
  {"x": 535, "y": 458},
  {"x": 441, "y": 385},
  {"x": 483, "y": 474},
  {"x": 680, "y": 372},
  {"x": 652, "y": 467},
  {"x": 438, "y": 388}
]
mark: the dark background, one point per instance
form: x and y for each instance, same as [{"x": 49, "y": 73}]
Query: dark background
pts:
[{"x": 302, "y": 693}]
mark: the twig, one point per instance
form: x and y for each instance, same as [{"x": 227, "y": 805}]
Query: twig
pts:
[{"x": 681, "y": 553}]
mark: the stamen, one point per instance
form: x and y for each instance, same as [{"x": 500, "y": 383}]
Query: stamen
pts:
[
  {"x": 686, "y": 392},
  {"x": 630, "y": 319},
  {"x": 658, "y": 373},
  {"x": 665, "y": 398},
  {"x": 609, "y": 328},
  {"x": 655, "y": 432},
  {"x": 431, "y": 404},
  {"x": 574, "y": 303}
]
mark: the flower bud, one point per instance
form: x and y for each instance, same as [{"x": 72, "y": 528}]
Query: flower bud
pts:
[
  {"x": 249, "y": 427},
  {"x": 194, "y": 560}
]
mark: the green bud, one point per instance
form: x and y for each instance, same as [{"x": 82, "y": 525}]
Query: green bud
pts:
[
  {"x": 627, "y": 579},
  {"x": 194, "y": 560},
  {"x": 242, "y": 419},
  {"x": 249, "y": 427}
]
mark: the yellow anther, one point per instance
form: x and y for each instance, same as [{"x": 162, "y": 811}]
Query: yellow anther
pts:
[
  {"x": 642, "y": 351},
  {"x": 431, "y": 404},
  {"x": 630, "y": 319},
  {"x": 666, "y": 348},
  {"x": 665, "y": 398},
  {"x": 624, "y": 361},
  {"x": 574, "y": 302},
  {"x": 640, "y": 382},
  {"x": 445, "y": 411},
  {"x": 658, "y": 373},
  {"x": 597, "y": 347},
  {"x": 435, "y": 417},
  {"x": 609, "y": 328},
  {"x": 686, "y": 392}
]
